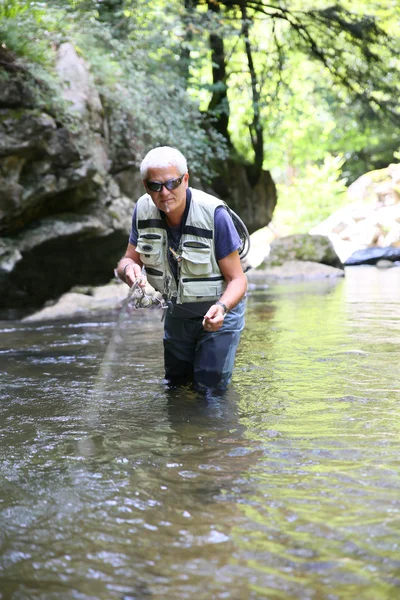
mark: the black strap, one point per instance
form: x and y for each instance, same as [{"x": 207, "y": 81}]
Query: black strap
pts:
[
  {"x": 199, "y": 231},
  {"x": 143, "y": 223}
]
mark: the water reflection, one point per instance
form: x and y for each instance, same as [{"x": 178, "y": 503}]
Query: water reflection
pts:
[{"x": 114, "y": 486}]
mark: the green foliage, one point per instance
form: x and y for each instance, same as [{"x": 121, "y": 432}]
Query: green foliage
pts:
[
  {"x": 327, "y": 77},
  {"x": 311, "y": 198},
  {"x": 133, "y": 56},
  {"x": 29, "y": 33},
  {"x": 30, "y": 30},
  {"x": 12, "y": 8}
]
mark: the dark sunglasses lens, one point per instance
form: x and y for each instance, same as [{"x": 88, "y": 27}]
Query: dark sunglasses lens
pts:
[
  {"x": 172, "y": 184},
  {"x": 154, "y": 186}
]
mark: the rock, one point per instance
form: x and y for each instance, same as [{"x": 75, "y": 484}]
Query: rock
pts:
[
  {"x": 15, "y": 94},
  {"x": 63, "y": 217},
  {"x": 260, "y": 245},
  {"x": 53, "y": 254},
  {"x": 84, "y": 301},
  {"x": 295, "y": 269},
  {"x": 384, "y": 264},
  {"x": 78, "y": 86},
  {"x": 302, "y": 247},
  {"x": 12, "y": 90},
  {"x": 130, "y": 182},
  {"x": 39, "y": 162},
  {"x": 253, "y": 203},
  {"x": 371, "y": 256},
  {"x": 74, "y": 304}
]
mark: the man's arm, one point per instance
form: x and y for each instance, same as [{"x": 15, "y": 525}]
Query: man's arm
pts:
[
  {"x": 130, "y": 266},
  {"x": 236, "y": 280}
]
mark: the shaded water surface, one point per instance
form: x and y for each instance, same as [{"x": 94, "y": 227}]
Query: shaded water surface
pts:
[{"x": 114, "y": 487}]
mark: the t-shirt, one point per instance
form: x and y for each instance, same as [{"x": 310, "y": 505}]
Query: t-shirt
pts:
[{"x": 226, "y": 241}]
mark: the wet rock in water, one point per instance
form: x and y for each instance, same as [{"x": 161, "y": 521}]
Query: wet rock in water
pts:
[
  {"x": 385, "y": 264},
  {"x": 83, "y": 301},
  {"x": 370, "y": 256},
  {"x": 88, "y": 300}
]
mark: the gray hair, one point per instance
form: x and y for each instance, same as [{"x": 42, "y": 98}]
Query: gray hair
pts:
[{"x": 161, "y": 157}]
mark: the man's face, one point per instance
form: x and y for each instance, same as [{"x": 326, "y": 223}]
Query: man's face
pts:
[{"x": 169, "y": 201}]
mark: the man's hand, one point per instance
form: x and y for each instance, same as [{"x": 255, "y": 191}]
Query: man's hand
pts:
[
  {"x": 214, "y": 318},
  {"x": 133, "y": 273}
]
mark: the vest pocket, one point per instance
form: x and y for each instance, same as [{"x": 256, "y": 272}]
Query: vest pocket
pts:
[
  {"x": 196, "y": 260},
  {"x": 209, "y": 289},
  {"x": 149, "y": 246}
]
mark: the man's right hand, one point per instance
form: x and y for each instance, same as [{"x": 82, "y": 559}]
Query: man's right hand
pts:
[{"x": 133, "y": 273}]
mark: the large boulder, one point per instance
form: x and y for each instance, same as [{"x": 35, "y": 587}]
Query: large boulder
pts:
[
  {"x": 298, "y": 256},
  {"x": 302, "y": 247}
]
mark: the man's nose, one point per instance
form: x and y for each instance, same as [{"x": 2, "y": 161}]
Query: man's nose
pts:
[{"x": 164, "y": 190}]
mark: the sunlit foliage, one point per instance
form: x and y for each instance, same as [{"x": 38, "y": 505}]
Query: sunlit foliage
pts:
[{"x": 134, "y": 62}]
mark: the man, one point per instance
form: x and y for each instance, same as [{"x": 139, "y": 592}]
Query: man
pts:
[{"x": 188, "y": 244}]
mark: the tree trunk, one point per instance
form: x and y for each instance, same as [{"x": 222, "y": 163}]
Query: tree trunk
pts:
[
  {"x": 185, "y": 49},
  {"x": 219, "y": 104},
  {"x": 255, "y": 127}
]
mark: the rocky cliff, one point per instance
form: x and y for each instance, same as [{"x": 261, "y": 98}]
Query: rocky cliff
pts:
[{"x": 63, "y": 217}]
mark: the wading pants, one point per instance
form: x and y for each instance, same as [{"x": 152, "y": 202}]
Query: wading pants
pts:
[{"x": 206, "y": 359}]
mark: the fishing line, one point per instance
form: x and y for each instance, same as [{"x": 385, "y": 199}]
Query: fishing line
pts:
[
  {"x": 110, "y": 353},
  {"x": 192, "y": 312},
  {"x": 141, "y": 301},
  {"x": 91, "y": 413}
]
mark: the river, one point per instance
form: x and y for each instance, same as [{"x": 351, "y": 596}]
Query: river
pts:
[{"x": 114, "y": 487}]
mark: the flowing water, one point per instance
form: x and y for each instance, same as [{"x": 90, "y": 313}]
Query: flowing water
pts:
[{"x": 114, "y": 487}]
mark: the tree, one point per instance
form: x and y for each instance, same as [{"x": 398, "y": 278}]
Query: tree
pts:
[{"x": 353, "y": 45}]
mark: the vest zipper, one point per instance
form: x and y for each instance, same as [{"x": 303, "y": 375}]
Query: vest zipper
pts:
[{"x": 214, "y": 278}]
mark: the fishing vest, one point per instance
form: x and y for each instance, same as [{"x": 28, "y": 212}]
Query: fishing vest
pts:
[{"x": 199, "y": 276}]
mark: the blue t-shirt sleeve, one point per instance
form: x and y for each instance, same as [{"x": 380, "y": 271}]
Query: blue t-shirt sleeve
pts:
[
  {"x": 227, "y": 239},
  {"x": 133, "y": 236}
]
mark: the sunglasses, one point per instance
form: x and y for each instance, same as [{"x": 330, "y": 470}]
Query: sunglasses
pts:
[{"x": 171, "y": 184}]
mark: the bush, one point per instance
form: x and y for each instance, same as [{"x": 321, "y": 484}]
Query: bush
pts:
[{"x": 310, "y": 199}]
